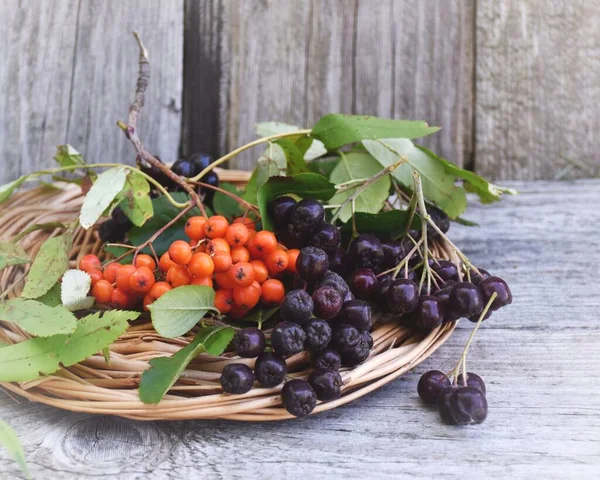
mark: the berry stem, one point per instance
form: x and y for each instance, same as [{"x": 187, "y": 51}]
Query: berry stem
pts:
[
  {"x": 404, "y": 261},
  {"x": 461, "y": 255},
  {"x": 424, "y": 219}
]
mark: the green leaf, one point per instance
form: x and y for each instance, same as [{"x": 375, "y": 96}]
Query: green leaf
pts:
[
  {"x": 271, "y": 163},
  {"x": 10, "y": 441},
  {"x": 106, "y": 354},
  {"x": 50, "y": 263},
  {"x": 260, "y": 315},
  {"x": 102, "y": 194},
  {"x": 310, "y": 148},
  {"x": 466, "y": 222},
  {"x": 7, "y": 189},
  {"x": 438, "y": 185},
  {"x": 227, "y": 206},
  {"x": 67, "y": 156},
  {"x": 36, "y": 318},
  {"x": 384, "y": 225},
  {"x": 294, "y": 157},
  {"x": 356, "y": 166},
  {"x": 323, "y": 166},
  {"x": 75, "y": 287},
  {"x": 12, "y": 254},
  {"x": 164, "y": 372},
  {"x": 305, "y": 185},
  {"x": 178, "y": 310},
  {"x": 33, "y": 358},
  {"x": 487, "y": 191},
  {"x": 336, "y": 130},
  {"x": 38, "y": 226},
  {"x": 52, "y": 297},
  {"x": 136, "y": 202}
]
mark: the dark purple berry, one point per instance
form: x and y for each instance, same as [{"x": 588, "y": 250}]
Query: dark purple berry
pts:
[
  {"x": 326, "y": 237},
  {"x": 431, "y": 384},
  {"x": 356, "y": 313},
  {"x": 237, "y": 378},
  {"x": 443, "y": 404},
  {"x": 393, "y": 253},
  {"x": 327, "y": 301},
  {"x": 270, "y": 369},
  {"x": 363, "y": 284},
  {"x": 183, "y": 168},
  {"x": 249, "y": 342},
  {"x": 327, "y": 358},
  {"x": 344, "y": 337},
  {"x": 476, "y": 278},
  {"x": 444, "y": 293},
  {"x": 312, "y": 263},
  {"x": 473, "y": 380},
  {"x": 326, "y": 383},
  {"x": 368, "y": 339},
  {"x": 357, "y": 353},
  {"x": 332, "y": 279},
  {"x": 298, "y": 397},
  {"x": 338, "y": 261},
  {"x": 475, "y": 318},
  {"x": 445, "y": 269},
  {"x": 468, "y": 405},
  {"x": 349, "y": 296},
  {"x": 200, "y": 161},
  {"x": 291, "y": 237},
  {"x": 403, "y": 296},
  {"x": 281, "y": 209},
  {"x": 366, "y": 251},
  {"x": 288, "y": 338},
  {"x": 297, "y": 307},
  {"x": 211, "y": 178},
  {"x": 307, "y": 215},
  {"x": 381, "y": 294},
  {"x": 318, "y": 334},
  {"x": 430, "y": 312},
  {"x": 492, "y": 285},
  {"x": 465, "y": 300}
]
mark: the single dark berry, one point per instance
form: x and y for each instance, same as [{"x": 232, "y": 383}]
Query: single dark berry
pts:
[
  {"x": 110, "y": 232},
  {"x": 291, "y": 237},
  {"x": 358, "y": 314},
  {"x": 492, "y": 285},
  {"x": 393, "y": 253},
  {"x": 349, "y": 296},
  {"x": 281, "y": 208},
  {"x": 444, "y": 293},
  {"x": 338, "y": 261},
  {"x": 430, "y": 312},
  {"x": 431, "y": 384},
  {"x": 366, "y": 251},
  {"x": 332, "y": 279},
  {"x": 363, "y": 283},
  {"x": 468, "y": 405},
  {"x": 200, "y": 161},
  {"x": 475, "y": 318},
  {"x": 326, "y": 383},
  {"x": 366, "y": 336},
  {"x": 473, "y": 380},
  {"x": 326, "y": 237},
  {"x": 344, "y": 337},
  {"x": 183, "y": 168},
  {"x": 237, "y": 378},
  {"x": 403, "y": 296},
  {"x": 270, "y": 369},
  {"x": 318, "y": 334},
  {"x": 298, "y": 397},
  {"x": 327, "y": 358},
  {"x": 445, "y": 269},
  {"x": 307, "y": 215},
  {"x": 440, "y": 219},
  {"x": 288, "y": 338},
  {"x": 356, "y": 354},
  {"x": 312, "y": 263},
  {"x": 211, "y": 178},
  {"x": 298, "y": 282},
  {"x": 476, "y": 278},
  {"x": 443, "y": 404},
  {"x": 327, "y": 301},
  {"x": 465, "y": 300},
  {"x": 297, "y": 307},
  {"x": 381, "y": 294},
  {"x": 249, "y": 342}
]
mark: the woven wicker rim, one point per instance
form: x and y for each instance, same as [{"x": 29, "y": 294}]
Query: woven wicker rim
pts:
[{"x": 94, "y": 387}]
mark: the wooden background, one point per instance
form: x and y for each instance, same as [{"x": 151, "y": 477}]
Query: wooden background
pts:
[{"x": 513, "y": 83}]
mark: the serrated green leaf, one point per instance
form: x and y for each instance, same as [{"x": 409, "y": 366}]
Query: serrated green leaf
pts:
[
  {"x": 323, "y": 166},
  {"x": 36, "y": 318},
  {"x": 271, "y": 163},
  {"x": 135, "y": 199},
  {"x": 74, "y": 290},
  {"x": 106, "y": 355},
  {"x": 12, "y": 254},
  {"x": 227, "y": 206},
  {"x": 52, "y": 297},
  {"x": 294, "y": 157},
  {"x": 33, "y": 358},
  {"x": 356, "y": 166},
  {"x": 305, "y": 185},
  {"x": 178, "y": 310},
  {"x": 10, "y": 441},
  {"x": 67, "y": 156},
  {"x": 38, "y": 226},
  {"x": 50, "y": 263},
  {"x": 102, "y": 194},
  {"x": 7, "y": 189},
  {"x": 164, "y": 372},
  {"x": 336, "y": 130},
  {"x": 438, "y": 186},
  {"x": 384, "y": 225}
]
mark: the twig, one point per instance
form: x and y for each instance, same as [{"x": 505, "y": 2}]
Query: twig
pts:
[{"x": 241, "y": 201}]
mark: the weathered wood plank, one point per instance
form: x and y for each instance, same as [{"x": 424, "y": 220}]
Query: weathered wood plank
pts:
[
  {"x": 540, "y": 358},
  {"x": 538, "y": 64},
  {"x": 71, "y": 84}
]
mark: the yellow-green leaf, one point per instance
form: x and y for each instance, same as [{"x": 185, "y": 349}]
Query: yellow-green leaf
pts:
[
  {"x": 10, "y": 441},
  {"x": 36, "y": 318},
  {"x": 12, "y": 254},
  {"x": 48, "y": 266},
  {"x": 103, "y": 192},
  {"x": 136, "y": 202},
  {"x": 7, "y": 189}
]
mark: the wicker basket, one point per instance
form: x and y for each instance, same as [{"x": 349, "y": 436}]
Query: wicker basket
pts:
[{"x": 94, "y": 387}]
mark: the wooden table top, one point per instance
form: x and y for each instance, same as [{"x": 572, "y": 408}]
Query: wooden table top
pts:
[{"x": 540, "y": 358}]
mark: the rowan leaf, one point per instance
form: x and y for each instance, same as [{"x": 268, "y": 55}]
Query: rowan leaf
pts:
[
  {"x": 102, "y": 194},
  {"x": 36, "y": 318},
  {"x": 10, "y": 441},
  {"x": 50, "y": 263},
  {"x": 136, "y": 202},
  {"x": 12, "y": 254},
  {"x": 7, "y": 189}
]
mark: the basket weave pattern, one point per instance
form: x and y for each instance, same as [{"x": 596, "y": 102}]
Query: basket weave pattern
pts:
[{"x": 92, "y": 386}]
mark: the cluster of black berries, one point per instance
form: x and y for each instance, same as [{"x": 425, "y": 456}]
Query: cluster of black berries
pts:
[
  {"x": 116, "y": 227},
  {"x": 461, "y": 403}
]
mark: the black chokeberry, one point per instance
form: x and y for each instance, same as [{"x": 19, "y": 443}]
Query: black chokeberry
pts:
[
  {"x": 429, "y": 313},
  {"x": 326, "y": 383},
  {"x": 211, "y": 178},
  {"x": 332, "y": 279},
  {"x": 327, "y": 301},
  {"x": 326, "y": 237},
  {"x": 444, "y": 293},
  {"x": 381, "y": 294},
  {"x": 183, "y": 168},
  {"x": 363, "y": 283},
  {"x": 465, "y": 300},
  {"x": 443, "y": 404},
  {"x": 357, "y": 353},
  {"x": 200, "y": 161},
  {"x": 393, "y": 253},
  {"x": 270, "y": 369},
  {"x": 237, "y": 378},
  {"x": 312, "y": 263},
  {"x": 288, "y": 338},
  {"x": 318, "y": 334},
  {"x": 344, "y": 337},
  {"x": 492, "y": 285},
  {"x": 476, "y": 278},
  {"x": 307, "y": 215},
  {"x": 291, "y": 237},
  {"x": 403, "y": 296},
  {"x": 298, "y": 397},
  {"x": 366, "y": 251},
  {"x": 281, "y": 209},
  {"x": 431, "y": 384},
  {"x": 358, "y": 314},
  {"x": 445, "y": 269},
  {"x": 297, "y": 307},
  {"x": 366, "y": 336},
  {"x": 249, "y": 342},
  {"x": 338, "y": 261},
  {"x": 327, "y": 358},
  {"x": 440, "y": 219},
  {"x": 473, "y": 380},
  {"x": 468, "y": 405}
]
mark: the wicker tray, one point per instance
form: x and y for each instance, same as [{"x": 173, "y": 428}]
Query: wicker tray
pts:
[{"x": 94, "y": 387}]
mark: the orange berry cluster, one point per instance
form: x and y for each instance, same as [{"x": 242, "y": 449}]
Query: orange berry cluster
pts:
[{"x": 241, "y": 264}]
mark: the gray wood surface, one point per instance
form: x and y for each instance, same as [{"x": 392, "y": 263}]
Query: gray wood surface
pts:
[
  {"x": 67, "y": 74},
  {"x": 540, "y": 358}
]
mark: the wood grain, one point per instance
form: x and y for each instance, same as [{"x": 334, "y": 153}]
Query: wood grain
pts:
[
  {"x": 70, "y": 84},
  {"x": 538, "y": 64},
  {"x": 540, "y": 358}
]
